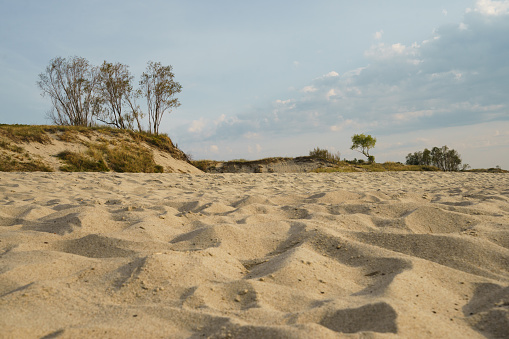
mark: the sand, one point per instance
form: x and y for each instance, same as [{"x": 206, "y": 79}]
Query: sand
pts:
[{"x": 345, "y": 255}]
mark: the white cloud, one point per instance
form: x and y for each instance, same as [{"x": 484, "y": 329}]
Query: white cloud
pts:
[
  {"x": 283, "y": 102},
  {"x": 444, "y": 12},
  {"x": 493, "y": 8},
  {"x": 378, "y": 35},
  {"x": 383, "y": 51},
  {"x": 398, "y": 48},
  {"x": 214, "y": 149},
  {"x": 309, "y": 89},
  {"x": 196, "y": 126},
  {"x": 331, "y": 93},
  {"x": 331, "y": 74}
]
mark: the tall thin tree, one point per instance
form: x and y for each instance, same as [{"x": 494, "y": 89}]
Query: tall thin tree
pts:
[
  {"x": 72, "y": 86},
  {"x": 118, "y": 96},
  {"x": 159, "y": 88}
]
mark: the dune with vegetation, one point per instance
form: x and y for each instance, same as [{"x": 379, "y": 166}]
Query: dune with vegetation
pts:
[{"x": 87, "y": 149}]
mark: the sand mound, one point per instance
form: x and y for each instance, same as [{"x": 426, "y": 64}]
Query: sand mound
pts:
[{"x": 372, "y": 255}]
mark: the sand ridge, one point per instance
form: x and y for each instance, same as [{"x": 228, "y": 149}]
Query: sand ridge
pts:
[{"x": 343, "y": 255}]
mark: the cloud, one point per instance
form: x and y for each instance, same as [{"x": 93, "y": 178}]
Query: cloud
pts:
[
  {"x": 492, "y": 8},
  {"x": 378, "y": 35},
  {"x": 221, "y": 118},
  {"x": 283, "y": 102},
  {"x": 331, "y": 94},
  {"x": 309, "y": 89},
  {"x": 382, "y": 51},
  {"x": 331, "y": 74},
  {"x": 214, "y": 149},
  {"x": 456, "y": 77},
  {"x": 197, "y": 126}
]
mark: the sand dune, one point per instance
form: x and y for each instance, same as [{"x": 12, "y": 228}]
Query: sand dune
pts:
[{"x": 358, "y": 255}]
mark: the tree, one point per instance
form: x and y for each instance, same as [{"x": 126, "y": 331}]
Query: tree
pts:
[
  {"x": 72, "y": 86},
  {"x": 118, "y": 96},
  {"x": 363, "y": 143},
  {"x": 159, "y": 88},
  {"x": 444, "y": 158}
]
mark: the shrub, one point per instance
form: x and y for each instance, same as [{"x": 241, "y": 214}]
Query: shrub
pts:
[
  {"x": 324, "y": 154},
  {"x": 78, "y": 162}
]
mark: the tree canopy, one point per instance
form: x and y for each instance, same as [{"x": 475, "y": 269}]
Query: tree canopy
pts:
[
  {"x": 72, "y": 87},
  {"x": 444, "y": 158},
  {"x": 158, "y": 86},
  {"x": 82, "y": 94},
  {"x": 363, "y": 143}
]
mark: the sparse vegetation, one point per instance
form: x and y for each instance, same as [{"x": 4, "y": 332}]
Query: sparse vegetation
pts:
[
  {"x": 374, "y": 167},
  {"x": 24, "y": 133},
  {"x": 324, "y": 154},
  {"x": 21, "y": 163},
  {"x": 125, "y": 157},
  {"x": 10, "y": 147},
  {"x": 113, "y": 149},
  {"x": 204, "y": 165}
]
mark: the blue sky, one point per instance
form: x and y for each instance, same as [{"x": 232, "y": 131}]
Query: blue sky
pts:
[{"x": 279, "y": 78}]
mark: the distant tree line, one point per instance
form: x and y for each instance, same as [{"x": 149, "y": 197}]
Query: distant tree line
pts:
[
  {"x": 83, "y": 94},
  {"x": 444, "y": 158}
]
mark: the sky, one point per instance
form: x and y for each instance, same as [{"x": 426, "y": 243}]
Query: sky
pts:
[{"x": 279, "y": 78}]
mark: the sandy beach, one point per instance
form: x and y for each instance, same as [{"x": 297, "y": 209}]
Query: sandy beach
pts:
[{"x": 343, "y": 255}]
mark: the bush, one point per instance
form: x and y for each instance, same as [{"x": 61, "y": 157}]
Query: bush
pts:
[
  {"x": 125, "y": 157},
  {"x": 324, "y": 154},
  {"x": 78, "y": 162}
]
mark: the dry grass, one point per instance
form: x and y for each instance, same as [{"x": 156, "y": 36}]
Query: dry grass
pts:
[
  {"x": 25, "y": 133},
  {"x": 115, "y": 149},
  {"x": 101, "y": 157},
  {"x": 375, "y": 167},
  {"x": 21, "y": 163},
  {"x": 10, "y": 147},
  {"x": 324, "y": 154}
]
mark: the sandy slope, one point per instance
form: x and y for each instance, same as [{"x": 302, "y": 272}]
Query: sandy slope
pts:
[
  {"x": 371, "y": 255},
  {"x": 80, "y": 143}
]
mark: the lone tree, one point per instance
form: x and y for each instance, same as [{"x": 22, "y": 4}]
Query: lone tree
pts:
[
  {"x": 72, "y": 86},
  {"x": 158, "y": 86},
  {"x": 363, "y": 143},
  {"x": 118, "y": 97}
]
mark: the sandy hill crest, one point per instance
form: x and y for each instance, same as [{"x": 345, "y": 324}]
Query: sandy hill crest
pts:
[{"x": 66, "y": 148}]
